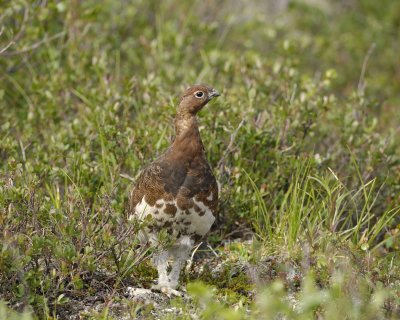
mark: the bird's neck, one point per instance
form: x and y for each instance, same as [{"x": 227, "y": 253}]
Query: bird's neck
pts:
[
  {"x": 185, "y": 123},
  {"x": 187, "y": 133}
]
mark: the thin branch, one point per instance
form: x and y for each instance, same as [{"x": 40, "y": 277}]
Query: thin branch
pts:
[
  {"x": 35, "y": 45},
  {"x": 361, "y": 84},
  {"x": 123, "y": 175},
  {"x": 230, "y": 148},
  {"x": 19, "y": 34},
  {"x": 190, "y": 262},
  {"x": 6, "y": 47}
]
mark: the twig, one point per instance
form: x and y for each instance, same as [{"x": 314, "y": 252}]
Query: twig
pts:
[
  {"x": 190, "y": 262},
  {"x": 229, "y": 149},
  {"x": 123, "y": 175},
  {"x": 7, "y": 45},
  {"x": 19, "y": 34},
  {"x": 35, "y": 45},
  {"x": 212, "y": 250},
  {"x": 360, "y": 87}
]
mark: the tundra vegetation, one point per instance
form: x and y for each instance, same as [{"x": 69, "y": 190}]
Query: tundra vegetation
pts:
[{"x": 303, "y": 140}]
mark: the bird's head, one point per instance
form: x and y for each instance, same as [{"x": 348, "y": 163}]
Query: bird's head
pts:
[{"x": 195, "y": 98}]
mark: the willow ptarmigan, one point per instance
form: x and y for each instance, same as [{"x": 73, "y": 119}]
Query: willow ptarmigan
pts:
[{"x": 178, "y": 190}]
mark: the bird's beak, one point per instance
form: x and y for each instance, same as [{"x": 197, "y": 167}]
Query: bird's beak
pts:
[{"x": 213, "y": 93}]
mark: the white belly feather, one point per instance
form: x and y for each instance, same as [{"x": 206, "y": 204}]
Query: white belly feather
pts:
[{"x": 187, "y": 222}]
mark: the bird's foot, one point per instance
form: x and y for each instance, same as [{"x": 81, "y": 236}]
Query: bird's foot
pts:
[{"x": 168, "y": 291}]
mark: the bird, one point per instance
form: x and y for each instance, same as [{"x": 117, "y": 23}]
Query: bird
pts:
[{"x": 177, "y": 194}]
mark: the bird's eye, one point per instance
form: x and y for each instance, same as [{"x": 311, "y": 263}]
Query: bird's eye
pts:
[{"x": 199, "y": 94}]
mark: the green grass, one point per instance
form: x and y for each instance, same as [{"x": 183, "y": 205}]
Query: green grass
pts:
[
  {"x": 303, "y": 141},
  {"x": 316, "y": 207}
]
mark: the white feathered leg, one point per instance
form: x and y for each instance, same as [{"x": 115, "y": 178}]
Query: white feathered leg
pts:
[
  {"x": 180, "y": 253},
  {"x": 160, "y": 260}
]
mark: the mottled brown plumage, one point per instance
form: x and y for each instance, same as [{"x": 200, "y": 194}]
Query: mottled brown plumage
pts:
[{"x": 179, "y": 189}]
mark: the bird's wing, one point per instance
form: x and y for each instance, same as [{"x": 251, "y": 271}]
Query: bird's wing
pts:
[
  {"x": 169, "y": 180},
  {"x": 159, "y": 180},
  {"x": 199, "y": 184}
]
